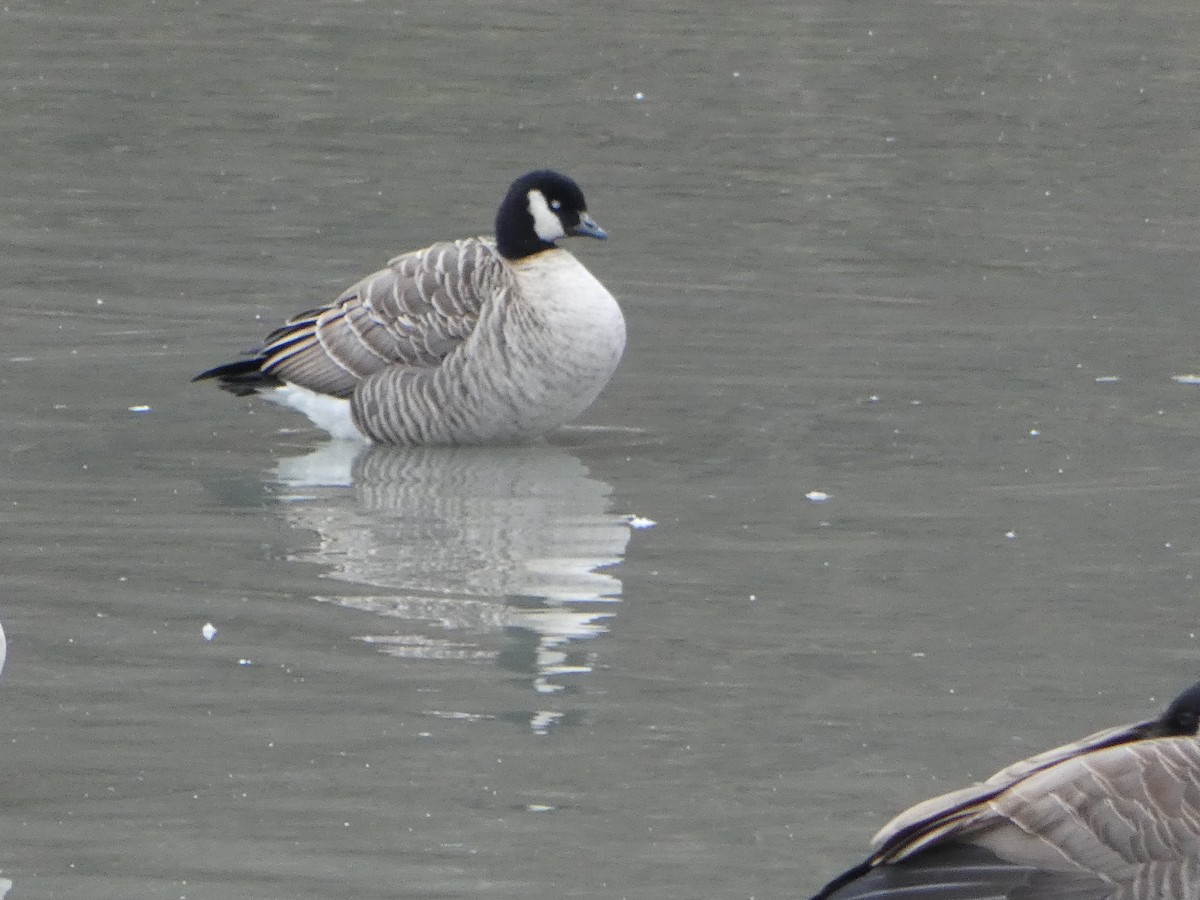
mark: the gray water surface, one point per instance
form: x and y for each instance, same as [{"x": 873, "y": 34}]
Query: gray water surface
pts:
[{"x": 933, "y": 260}]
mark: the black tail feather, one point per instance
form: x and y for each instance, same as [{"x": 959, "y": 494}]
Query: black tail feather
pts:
[
  {"x": 842, "y": 880},
  {"x": 963, "y": 872},
  {"x": 241, "y": 378}
]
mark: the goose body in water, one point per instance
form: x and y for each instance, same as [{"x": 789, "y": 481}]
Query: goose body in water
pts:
[
  {"x": 1115, "y": 815},
  {"x": 481, "y": 340}
]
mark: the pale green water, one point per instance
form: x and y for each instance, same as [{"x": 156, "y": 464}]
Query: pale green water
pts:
[{"x": 865, "y": 249}]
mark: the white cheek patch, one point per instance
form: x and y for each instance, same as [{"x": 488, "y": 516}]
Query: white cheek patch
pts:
[{"x": 545, "y": 221}]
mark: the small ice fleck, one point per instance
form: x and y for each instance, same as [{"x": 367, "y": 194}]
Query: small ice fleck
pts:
[
  {"x": 1033, "y": 432},
  {"x": 1186, "y": 379},
  {"x": 20, "y": 359},
  {"x": 539, "y": 807},
  {"x": 817, "y": 496},
  {"x": 1011, "y": 535},
  {"x": 140, "y": 408},
  {"x": 1107, "y": 379},
  {"x": 639, "y": 522},
  {"x": 639, "y": 96},
  {"x": 919, "y": 655},
  {"x": 209, "y": 631},
  {"x": 245, "y": 662},
  {"x": 99, "y": 301}
]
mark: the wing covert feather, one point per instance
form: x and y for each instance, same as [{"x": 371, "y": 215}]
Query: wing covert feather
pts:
[
  {"x": 936, "y": 818},
  {"x": 412, "y": 313}
]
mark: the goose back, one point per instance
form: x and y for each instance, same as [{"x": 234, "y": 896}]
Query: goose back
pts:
[
  {"x": 948, "y": 814},
  {"x": 1114, "y": 815}
]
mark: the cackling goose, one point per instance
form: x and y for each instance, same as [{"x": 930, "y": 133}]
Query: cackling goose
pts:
[
  {"x": 1115, "y": 815},
  {"x": 471, "y": 341}
]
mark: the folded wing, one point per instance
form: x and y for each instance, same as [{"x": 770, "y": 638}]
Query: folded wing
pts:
[
  {"x": 411, "y": 314},
  {"x": 1106, "y": 820},
  {"x": 947, "y": 815}
]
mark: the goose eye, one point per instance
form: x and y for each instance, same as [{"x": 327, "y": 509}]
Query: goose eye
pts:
[{"x": 556, "y": 205}]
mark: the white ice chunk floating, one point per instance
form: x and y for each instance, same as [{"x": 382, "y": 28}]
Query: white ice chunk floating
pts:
[
  {"x": 140, "y": 408},
  {"x": 1186, "y": 379},
  {"x": 209, "y": 631},
  {"x": 817, "y": 496},
  {"x": 639, "y": 522}
]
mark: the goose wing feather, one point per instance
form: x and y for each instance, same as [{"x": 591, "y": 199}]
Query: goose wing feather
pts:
[
  {"x": 1121, "y": 821},
  {"x": 411, "y": 314},
  {"x": 1115, "y": 816},
  {"x": 942, "y": 816},
  {"x": 1130, "y": 813}
]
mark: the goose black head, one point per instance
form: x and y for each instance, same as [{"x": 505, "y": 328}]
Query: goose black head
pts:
[
  {"x": 539, "y": 208},
  {"x": 1182, "y": 717}
]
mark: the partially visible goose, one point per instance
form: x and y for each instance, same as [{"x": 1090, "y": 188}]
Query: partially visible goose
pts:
[
  {"x": 1115, "y": 815},
  {"x": 465, "y": 342}
]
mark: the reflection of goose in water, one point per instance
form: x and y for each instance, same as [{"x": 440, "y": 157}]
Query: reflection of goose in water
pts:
[{"x": 493, "y": 554}]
